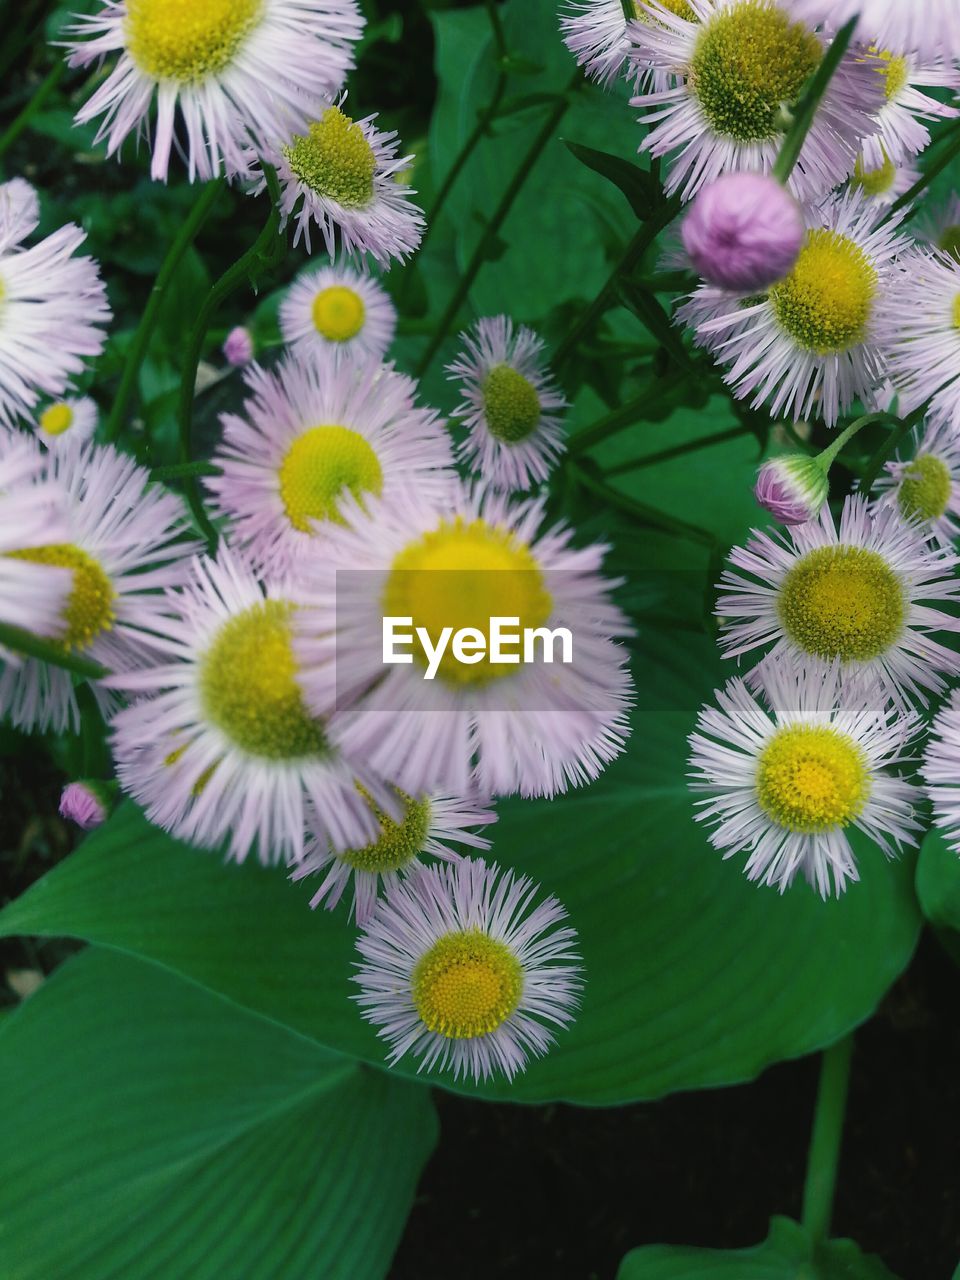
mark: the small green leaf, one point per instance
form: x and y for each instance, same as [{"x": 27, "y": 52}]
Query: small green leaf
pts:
[{"x": 640, "y": 187}]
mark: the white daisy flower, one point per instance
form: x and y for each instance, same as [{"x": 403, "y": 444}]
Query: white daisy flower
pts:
[
  {"x": 426, "y": 827},
  {"x": 495, "y": 727},
  {"x": 52, "y": 307},
  {"x": 345, "y": 174},
  {"x": 597, "y": 34},
  {"x": 124, "y": 544},
  {"x": 511, "y": 405},
  {"x": 899, "y": 134},
  {"x": 941, "y": 770},
  {"x": 787, "y": 780},
  {"x": 312, "y": 433},
  {"x": 338, "y": 309},
  {"x": 236, "y": 69},
  {"x": 885, "y": 184},
  {"x": 461, "y": 970},
  {"x": 920, "y": 334},
  {"x": 926, "y": 485},
  {"x": 808, "y": 347},
  {"x": 939, "y": 226},
  {"x": 71, "y": 419},
  {"x": 221, "y": 750},
  {"x": 929, "y": 29},
  {"x": 862, "y": 596},
  {"x": 737, "y": 67}
]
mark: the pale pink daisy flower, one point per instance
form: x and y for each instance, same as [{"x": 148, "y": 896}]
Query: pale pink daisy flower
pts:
[
  {"x": 920, "y": 335},
  {"x": 124, "y": 543},
  {"x": 925, "y": 486},
  {"x": 223, "y": 72},
  {"x": 460, "y": 969},
  {"x": 939, "y": 226},
  {"x": 52, "y": 308},
  {"x": 426, "y": 827},
  {"x": 494, "y": 726},
  {"x": 334, "y": 308},
  {"x": 66, "y": 421},
  {"x": 862, "y": 595},
  {"x": 899, "y": 133},
  {"x": 929, "y": 29},
  {"x": 511, "y": 405},
  {"x": 808, "y": 347},
  {"x": 738, "y": 65},
  {"x": 313, "y": 432},
  {"x": 791, "y": 771},
  {"x": 597, "y": 33},
  {"x": 220, "y": 749},
  {"x": 344, "y": 174},
  {"x": 887, "y": 183},
  {"x": 941, "y": 770}
]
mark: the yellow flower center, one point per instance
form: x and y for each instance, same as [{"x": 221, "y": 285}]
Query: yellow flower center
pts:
[
  {"x": 842, "y": 602},
  {"x": 679, "y": 7},
  {"x": 398, "y": 842},
  {"x": 875, "y": 182},
  {"x": 925, "y": 488},
  {"x": 956, "y": 312},
  {"x": 825, "y": 302},
  {"x": 89, "y": 608},
  {"x": 511, "y": 405},
  {"x": 949, "y": 241},
  {"x": 319, "y": 467},
  {"x": 811, "y": 778},
  {"x": 249, "y": 689},
  {"x": 750, "y": 59},
  {"x": 462, "y": 575},
  {"x": 466, "y": 985},
  {"x": 895, "y": 71},
  {"x": 187, "y": 40},
  {"x": 335, "y": 160},
  {"x": 57, "y": 419},
  {"x": 338, "y": 313}
]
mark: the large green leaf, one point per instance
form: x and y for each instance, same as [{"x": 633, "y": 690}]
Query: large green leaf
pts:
[
  {"x": 695, "y": 977},
  {"x": 938, "y": 888},
  {"x": 787, "y": 1254},
  {"x": 149, "y": 1128}
]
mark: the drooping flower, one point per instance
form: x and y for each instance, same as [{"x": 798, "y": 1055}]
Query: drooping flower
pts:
[
  {"x": 338, "y": 309},
  {"x": 32, "y": 597},
  {"x": 739, "y": 65},
  {"x": 239, "y": 347},
  {"x": 313, "y": 432},
  {"x": 863, "y": 595},
  {"x": 511, "y": 405},
  {"x": 427, "y": 826},
  {"x": 920, "y": 336},
  {"x": 789, "y": 773},
  {"x": 344, "y": 175},
  {"x": 72, "y": 419},
  {"x": 929, "y": 29},
  {"x": 899, "y": 134},
  {"x": 233, "y": 70},
  {"x": 743, "y": 232},
  {"x": 461, "y": 971},
  {"x": 123, "y": 543},
  {"x": 941, "y": 770},
  {"x": 925, "y": 486},
  {"x": 793, "y": 488},
  {"x": 808, "y": 346},
  {"x": 88, "y": 802}
]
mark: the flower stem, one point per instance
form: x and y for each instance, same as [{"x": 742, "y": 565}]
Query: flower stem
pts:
[
  {"x": 829, "y": 455},
  {"x": 141, "y": 339},
  {"x": 821, "y": 1180},
  {"x": 639, "y": 511},
  {"x": 903, "y": 428},
  {"x": 677, "y": 451},
  {"x": 32, "y": 646},
  {"x": 656, "y": 391},
  {"x": 810, "y": 100},
  {"x": 184, "y": 470},
  {"x": 946, "y": 157},
  {"x": 43, "y": 92}
]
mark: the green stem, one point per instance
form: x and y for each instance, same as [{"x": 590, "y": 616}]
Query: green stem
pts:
[
  {"x": 141, "y": 339},
  {"x": 946, "y": 157},
  {"x": 829, "y": 455},
  {"x": 656, "y": 391},
  {"x": 632, "y": 256},
  {"x": 806, "y": 108},
  {"x": 32, "y": 646},
  {"x": 43, "y": 92},
  {"x": 493, "y": 13},
  {"x": 639, "y": 510},
  {"x": 184, "y": 470},
  {"x": 824, "y": 1153},
  {"x": 890, "y": 445},
  {"x": 629, "y": 9},
  {"x": 677, "y": 451},
  {"x": 492, "y": 229}
]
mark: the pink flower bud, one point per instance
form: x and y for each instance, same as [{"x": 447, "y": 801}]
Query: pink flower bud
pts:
[
  {"x": 793, "y": 489},
  {"x": 238, "y": 348},
  {"x": 87, "y": 803},
  {"x": 743, "y": 232}
]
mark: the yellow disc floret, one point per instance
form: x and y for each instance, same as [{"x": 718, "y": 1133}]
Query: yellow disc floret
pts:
[
  {"x": 462, "y": 575},
  {"x": 842, "y": 602},
  {"x": 749, "y": 60},
  {"x": 398, "y": 843},
  {"x": 895, "y": 71},
  {"x": 338, "y": 313},
  {"x": 320, "y": 467},
  {"x": 511, "y": 405},
  {"x": 466, "y": 985},
  {"x": 249, "y": 688},
  {"x": 187, "y": 40},
  {"x": 335, "y": 160},
  {"x": 56, "y": 419},
  {"x": 875, "y": 182},
  {"x": 826, "y": 301},
  {"x": 811, "y": 778},
  {"x": 89, "y": 608},
  {"x": 680, "y": 8},
  {"x": 925, "y": 488}
]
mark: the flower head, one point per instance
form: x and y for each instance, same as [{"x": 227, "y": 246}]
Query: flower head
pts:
[
  {"x": 239, "y": 348},
  {"x": 511, "y": 405},
  {"x": 743, "y": 232},
  {"x": 32, "y": 596},
  {"x": 458, "y": 970},
  {"x": 72, "y": 419},
  {"x": 886, "y": 183},
  {"x": 338, "y": 309},
  {"x": 597, "y": 33},
  {"x": 941, "y": 770},
  {"x": 939, "y": 227},
  {"x": 899, "y": 135},
  {"x": 793, "y": 488},
  {"x": 88, "y": 802},
  {"x": 929, "y": 29},
  {"x": 925, "y": 486},
  {"x": 921, "y": 335}
]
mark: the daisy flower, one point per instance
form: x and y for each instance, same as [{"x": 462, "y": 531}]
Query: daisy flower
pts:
[
  {"x": 788, "y": 779},
  {"x": 312, "y": 433},
  {"x": 338, "y": 309},
  {"x": 884, "y": 184},
  {"x": 344, "y": 173},
  {"x": 862, "y": 596},
  {"x": 123, "y": 542},
  {"x": 511, "y": 405},
  {"x": 929, "y": 29},
  {"x": 31, "y": 515},
  {"x": 495, "y": 726},
  {"x": 72, "y": 419},
  {"x": 737, "y": 66},
  {"x": 597, "y": 34},
  {"x": 52, "y": 307},
  {"x": 941, "y": 771},
  {"x": 939, "y": 226},
  {"x": 220, "y": 749},
  {"x": 898, "y": 132},
  {"x": 920, "y": 334},
  {"x": 461, "y": 970},
  {"x": 808, "y": 346},
  {"x": 926, "y": 486},
  {"x": 234, "y": 69},
  {"x": 426, "y": 826}
]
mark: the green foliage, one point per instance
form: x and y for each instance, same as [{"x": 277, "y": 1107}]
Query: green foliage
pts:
[{"x": 938, "y": 888}]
